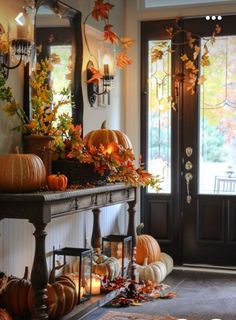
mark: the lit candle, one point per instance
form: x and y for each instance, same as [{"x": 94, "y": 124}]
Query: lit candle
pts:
[
  {"x": 75, "y": 278},
  {"x": 96, "y": 284},
  {"x": 106, "y": 65}
]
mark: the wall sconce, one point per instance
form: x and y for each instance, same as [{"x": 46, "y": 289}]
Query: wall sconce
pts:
[
  {"x": 101, "y": 85},
  {"x": 20, "y": 40}
]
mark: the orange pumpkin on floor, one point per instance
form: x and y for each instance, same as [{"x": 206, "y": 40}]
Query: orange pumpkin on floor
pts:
[
  {"x": 4, "y": 315},
  {"x": 106, "y": 137},
  {"x": 15, "y": 295},
  {"x": 57, "y": 182},
  {"x": 146, "y": 247},
  {"x": 62, "y": 296}
]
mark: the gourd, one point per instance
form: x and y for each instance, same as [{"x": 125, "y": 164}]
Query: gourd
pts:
[
  {"x": 146, "y": 247},
  {"x": 106, "y": 137},
  {"x": 21, "y": 173},
  {"x": 4, "y": 315},
  {"x": 15, "y": 295},
  {"x": 168, "y": 261},
  {"x": 155, "y": 271},
  {"x": 57, "y": 182},
  {"x": 105, "y": 266},
  {"x": 62, "y": 295}
]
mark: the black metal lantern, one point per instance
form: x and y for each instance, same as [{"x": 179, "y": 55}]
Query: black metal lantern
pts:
[
  {"x": 82, "y": 279},
  {"x": 120, "y": 247}
]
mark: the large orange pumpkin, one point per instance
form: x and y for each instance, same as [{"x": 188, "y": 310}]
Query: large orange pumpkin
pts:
[
  {"x": 105, "y": 137},
  {"x": 21, "y": 173},
  {"x": 15, "y": 296},
  {"x": 147, "y": 248}
]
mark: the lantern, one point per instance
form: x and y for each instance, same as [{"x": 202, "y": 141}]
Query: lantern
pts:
[
  {"x": 120, "y": 247},
  {"x": 83, "y": 278}
]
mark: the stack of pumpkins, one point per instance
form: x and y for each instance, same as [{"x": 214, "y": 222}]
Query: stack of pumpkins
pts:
[
  {"x": 21, "y": 173},
  {"x": 16, "y": 297},
  {"x": 151, "y": 264}
]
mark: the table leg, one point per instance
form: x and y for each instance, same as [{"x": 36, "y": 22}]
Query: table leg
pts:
[
  {"x": 39, "y": 274},
  {"x": 96, "y": 240},
  {"x": 132, "y": 232}
]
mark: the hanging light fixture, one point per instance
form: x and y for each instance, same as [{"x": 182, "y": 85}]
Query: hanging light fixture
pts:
[{"x": 20, "y": 39}]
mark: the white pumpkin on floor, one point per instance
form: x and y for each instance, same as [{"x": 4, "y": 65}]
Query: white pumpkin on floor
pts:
[{"x": 155, "y": 271}]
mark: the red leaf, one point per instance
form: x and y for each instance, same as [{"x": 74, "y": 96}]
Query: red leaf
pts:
[
  {"x": 101, "y": 10},
  {"x": 110, "y": 35}
]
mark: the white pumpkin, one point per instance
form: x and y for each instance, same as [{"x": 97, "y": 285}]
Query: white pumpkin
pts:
[
  {"x": 109, "y": 267},
  {"x": 155, "y": 271},
  {"x": 168, "y": 261}
]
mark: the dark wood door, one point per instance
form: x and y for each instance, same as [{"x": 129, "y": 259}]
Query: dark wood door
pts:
[{"x": 194, "y": 217}]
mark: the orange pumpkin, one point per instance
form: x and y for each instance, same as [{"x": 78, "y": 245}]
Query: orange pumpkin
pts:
[
  {"x": 21, "y": 173},
  {"x": 57, "y": 182},
  {"x": 105, "y": 137},
  {"x": 4, "y": 315},
  {"x": 147, "y": 247},
  {"x": 15, "y": 295},
  {"x": 62, "y": 296}
]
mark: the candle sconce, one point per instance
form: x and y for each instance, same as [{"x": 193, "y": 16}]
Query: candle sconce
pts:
[
  {"x": 82, "y": 279},
  {"x": 105, "y": 82},
  {"x": 120, "y": 247},
  {"x": 18, "y": 43}
]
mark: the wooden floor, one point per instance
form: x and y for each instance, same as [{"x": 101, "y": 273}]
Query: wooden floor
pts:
[{"x": 201, "y": 295}]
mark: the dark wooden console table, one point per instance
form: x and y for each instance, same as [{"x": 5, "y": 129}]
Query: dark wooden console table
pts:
[{"x": 41, "y": 207}]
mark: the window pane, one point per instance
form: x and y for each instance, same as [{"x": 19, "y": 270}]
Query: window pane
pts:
[
  {"x": 61, "y": 74},
  {"x": 218, "y": 120},
  {"x": 159, "y": 112}
]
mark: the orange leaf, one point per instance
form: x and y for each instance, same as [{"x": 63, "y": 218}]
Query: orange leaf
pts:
[
  {"x": 101, "y": 10},
  {"x": 122, "y": 60},
  {"x": 126, "y": 42},
  {"x": 96, "y": 75},
  {"x": 110, "y": 35}
]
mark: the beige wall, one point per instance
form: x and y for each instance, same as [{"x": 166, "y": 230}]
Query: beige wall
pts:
[{"x": 16, "y": 240}]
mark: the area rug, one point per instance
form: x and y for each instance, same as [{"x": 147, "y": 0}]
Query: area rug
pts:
[{"x": 112, "y": 315}]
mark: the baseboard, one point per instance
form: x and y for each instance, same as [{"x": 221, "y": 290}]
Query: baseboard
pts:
[{"x": 206, "y": 268}]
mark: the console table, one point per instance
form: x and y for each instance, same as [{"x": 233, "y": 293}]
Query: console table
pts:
[{"x": 41, "y": 207}]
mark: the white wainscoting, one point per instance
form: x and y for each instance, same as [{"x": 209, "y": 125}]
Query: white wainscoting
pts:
[{"x": 17, "y": 240}]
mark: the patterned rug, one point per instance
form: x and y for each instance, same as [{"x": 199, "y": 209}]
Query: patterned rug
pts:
[{"x": 111, "y": 315}]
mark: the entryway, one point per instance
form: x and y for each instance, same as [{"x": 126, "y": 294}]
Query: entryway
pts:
[{"x": 188, "y": 134}]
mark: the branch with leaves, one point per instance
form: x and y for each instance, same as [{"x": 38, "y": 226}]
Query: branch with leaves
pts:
[{"x": 100, "y": 12}]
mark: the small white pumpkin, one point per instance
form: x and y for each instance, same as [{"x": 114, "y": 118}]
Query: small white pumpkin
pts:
[{"x": 109, "y": 267}]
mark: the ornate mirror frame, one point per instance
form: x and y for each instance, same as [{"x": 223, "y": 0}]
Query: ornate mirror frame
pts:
[{"x": 74, "y": 17}]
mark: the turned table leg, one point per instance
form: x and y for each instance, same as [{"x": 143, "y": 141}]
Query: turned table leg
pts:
[
  {"x": 39, "y": 274},
  {"x": 132, "y": 232},
  {"x": 96, "y": 240}
]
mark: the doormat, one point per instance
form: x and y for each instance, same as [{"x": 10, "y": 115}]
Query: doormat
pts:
[{"x": 112, "y": 315}]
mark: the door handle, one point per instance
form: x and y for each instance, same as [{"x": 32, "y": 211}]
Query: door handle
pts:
[{"x": 188, "y": 177}]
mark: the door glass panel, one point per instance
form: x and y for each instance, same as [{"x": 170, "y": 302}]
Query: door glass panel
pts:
[
  {"x": 159, "y": 112},
  {"x": 217, "y": 156}
]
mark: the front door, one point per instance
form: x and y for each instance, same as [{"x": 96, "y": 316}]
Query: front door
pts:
[{"x": 188, "y": 137}]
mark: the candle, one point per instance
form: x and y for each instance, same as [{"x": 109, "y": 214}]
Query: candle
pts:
[
  {"x": 76, "y": 281},
  {"x": 96, "y": 284},
  {"x": 106, "y": 65}
]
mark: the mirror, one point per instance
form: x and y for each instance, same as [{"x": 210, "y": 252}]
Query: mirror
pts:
[{"x": 58, "y": 31}]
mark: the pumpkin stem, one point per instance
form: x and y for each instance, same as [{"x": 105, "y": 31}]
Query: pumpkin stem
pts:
[
  {"x": 53, "y": 271},
  {"x": 139, "y": 229},
  {"x": 145, "y": 262},
  {"x": 26, "y": 273},
  {"x": 103, "y": 126},
  {"x": 17, "y": 149}
]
